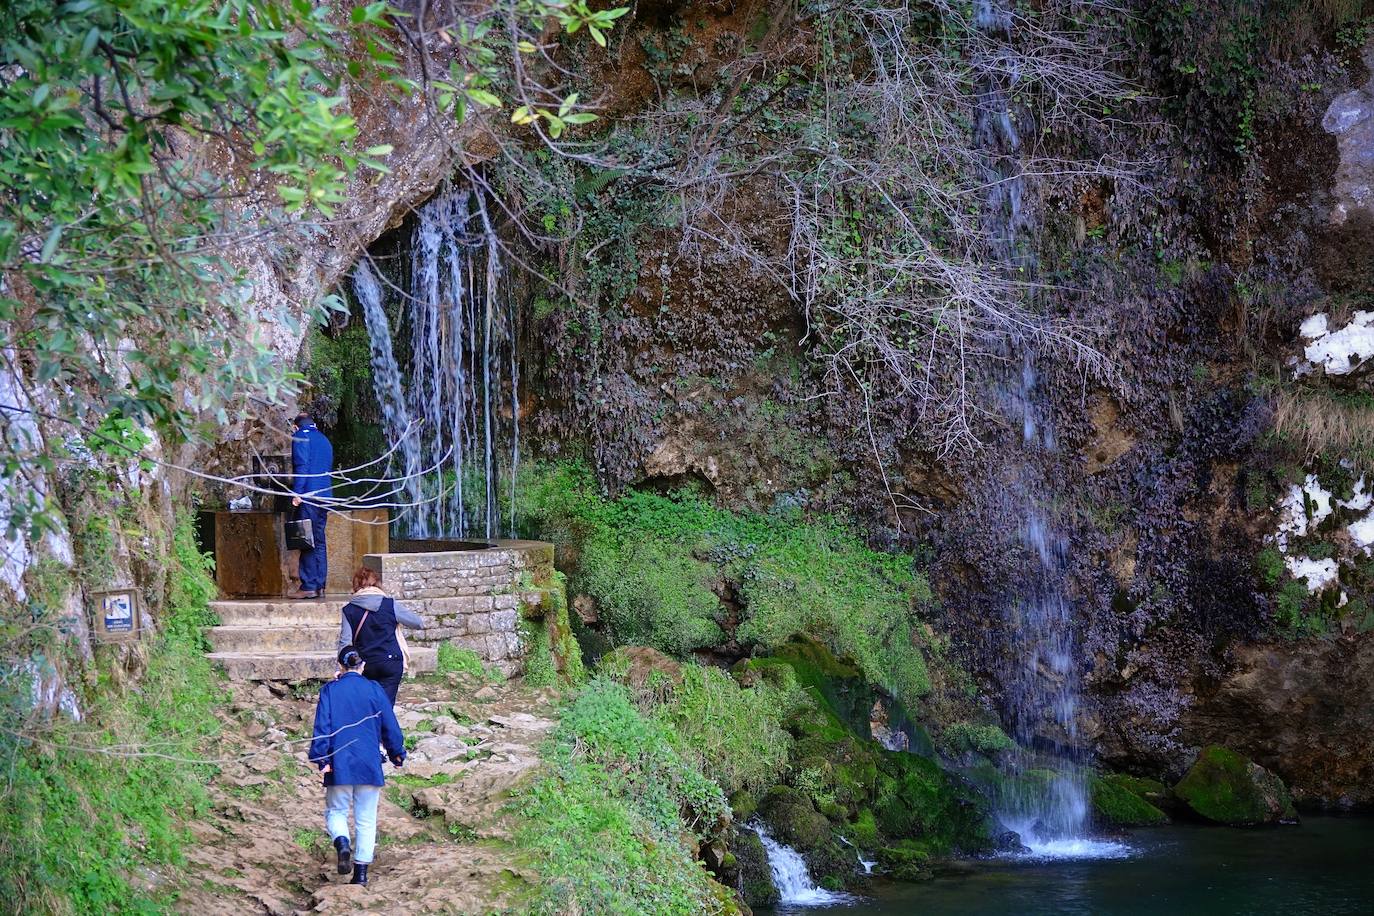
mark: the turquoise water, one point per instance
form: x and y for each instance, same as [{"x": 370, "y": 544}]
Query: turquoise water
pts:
[{"x": 1325, "y": 866}]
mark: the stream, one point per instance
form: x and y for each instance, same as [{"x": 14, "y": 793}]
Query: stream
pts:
[{"x": 1321, "y": 867}]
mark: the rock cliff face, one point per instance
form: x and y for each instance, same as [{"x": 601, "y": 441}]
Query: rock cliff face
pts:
[
  {"x": 1245, "y": 211},
  {"x": 1304, "y": 710}
]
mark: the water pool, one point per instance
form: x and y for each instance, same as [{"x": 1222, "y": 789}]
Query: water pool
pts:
[{"x": 1325, "y": 866}]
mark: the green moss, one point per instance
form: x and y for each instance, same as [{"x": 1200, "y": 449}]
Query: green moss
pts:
[
  {"x": 1116, "y": 805},
  {"x": 552, "y": 654},
  {"x": 650, "y": 561},
  {"x": 963, "y": 737},
  {"x": 756, "y": 879},
  {"x": 1227, "y": 788},
  {"x": 907, "y": 860}
]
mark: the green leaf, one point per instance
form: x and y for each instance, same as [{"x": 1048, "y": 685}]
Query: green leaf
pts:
[{"x": 50, "y": 244}]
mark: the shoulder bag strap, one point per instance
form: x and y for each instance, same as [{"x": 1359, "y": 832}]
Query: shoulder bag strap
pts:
[{"x": 359, "y": 628}]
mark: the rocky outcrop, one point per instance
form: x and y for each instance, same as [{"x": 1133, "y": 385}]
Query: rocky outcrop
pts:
[
  {"x": 1227, "y": 788},
  {"x": 1350, "y": 118},
  {"x": 1303, "y": 709}
]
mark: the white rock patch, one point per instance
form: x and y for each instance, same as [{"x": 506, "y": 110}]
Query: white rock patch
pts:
[
  {"x": 1318, "y": 573},
  {"x": 1340, "y": 352},
  {"x": 1294, "y": 520},
  {"x": 1359, "y": 500},
  {"x": 1313, "y": 327},
  {"x": 1362, "y": 533}
]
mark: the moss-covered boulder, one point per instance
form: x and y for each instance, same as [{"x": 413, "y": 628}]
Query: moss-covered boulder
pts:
[
  {"x": 1227, "y": 788},
  {"x": 906, "y": 860},
  {"x": 756, "y": 885},
  {"x": 1116, "y": 804},
  {"x": 915, "y": 799}
]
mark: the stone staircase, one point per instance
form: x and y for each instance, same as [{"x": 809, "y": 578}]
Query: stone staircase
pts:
[{"x": 282, "y": 640}]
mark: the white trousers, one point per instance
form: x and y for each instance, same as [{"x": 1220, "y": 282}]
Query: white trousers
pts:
[{"x": 363, "y": 801}]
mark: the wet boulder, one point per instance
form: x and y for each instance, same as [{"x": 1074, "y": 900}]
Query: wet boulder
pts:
[
  {"x": 1227, "y": 788},
  {"x": 755, "y": 878},
  {"x": 1121, "y": 801}
]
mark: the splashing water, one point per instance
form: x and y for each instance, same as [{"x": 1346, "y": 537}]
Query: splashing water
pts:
[
  {"x": 791, "y": 876},
  {"x": 865, "y": 864},
  {"x": 456, "y": 415}
]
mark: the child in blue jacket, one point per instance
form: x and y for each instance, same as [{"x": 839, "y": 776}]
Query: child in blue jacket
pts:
[{"x": 353, "y": 716}]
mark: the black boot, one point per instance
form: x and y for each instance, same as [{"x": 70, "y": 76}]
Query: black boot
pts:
[
  {"x": 345, "y": 853},
  {"x": 359, "y": 875}
]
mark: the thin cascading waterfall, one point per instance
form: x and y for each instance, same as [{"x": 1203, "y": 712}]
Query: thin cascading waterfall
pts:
[
  {"x": 386, "y": 381},
  {"x": 1045, "y": 800},
  {"x": 459, "y": 381},
  {"x": 791, "y": 876}
]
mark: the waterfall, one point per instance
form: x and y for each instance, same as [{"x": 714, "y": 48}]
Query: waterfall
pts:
[
  {"x": 452, "y": 401},
  {"x": 1047, "y": 809},
  {"x": 865, "y": 864},
  {"x": 791, "y": 876}
]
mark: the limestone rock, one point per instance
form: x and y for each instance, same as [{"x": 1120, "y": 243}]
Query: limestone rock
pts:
[
  {"x": 1350, "y": 118},
  {"x": 1227, "y": 788},
  {"x": 1313, "y": 698}
]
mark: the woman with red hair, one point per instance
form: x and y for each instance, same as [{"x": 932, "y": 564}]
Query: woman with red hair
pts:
[{"x": 371, "y": 624}]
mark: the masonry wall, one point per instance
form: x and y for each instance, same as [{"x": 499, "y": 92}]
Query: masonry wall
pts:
[{"x": 472, "y": 598}]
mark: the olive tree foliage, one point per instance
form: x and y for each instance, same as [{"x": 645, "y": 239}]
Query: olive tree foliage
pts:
[{"x": 141, "y": 143}]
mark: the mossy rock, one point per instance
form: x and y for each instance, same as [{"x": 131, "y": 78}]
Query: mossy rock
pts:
[
  {"x": 755, "y": 878},
  {"x": 794, "y": 819},
  {"x": 863, "y": 832},
  {"x": 743, "y": 804},
  {"x": 1225, "y": 787},
  {"x": 1115, "y": 805},
  {"x": 1152, "y": 790},
  {"x": 918, "y": 800},
  {"x": 907, "y": 860}
]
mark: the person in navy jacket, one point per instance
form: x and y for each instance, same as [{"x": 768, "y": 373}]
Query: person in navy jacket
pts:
[
  {"x": 352, "y": 717},
  {"x": 312, "y": 460}
]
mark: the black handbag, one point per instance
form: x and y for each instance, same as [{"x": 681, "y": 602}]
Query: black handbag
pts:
[{"x": 300, "y": 534}]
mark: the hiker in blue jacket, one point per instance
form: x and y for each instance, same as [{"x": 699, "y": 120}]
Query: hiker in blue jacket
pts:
[
  {"x": 312, "y": 460},
  {"x": 352, "y": 717}
]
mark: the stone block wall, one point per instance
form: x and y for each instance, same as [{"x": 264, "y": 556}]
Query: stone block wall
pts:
[{"x": 474, "y": 599}]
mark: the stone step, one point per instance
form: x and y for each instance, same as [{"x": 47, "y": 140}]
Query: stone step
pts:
[
  {"x": 287, "y": 638},
  {"x": 278, "y": 612},
  {"x": 292, "y": 666}
]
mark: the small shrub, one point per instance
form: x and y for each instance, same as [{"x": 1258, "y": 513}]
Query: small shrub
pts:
[
  {"x": 452, "y": 659},
  {"x": 1269, "y": 566}
]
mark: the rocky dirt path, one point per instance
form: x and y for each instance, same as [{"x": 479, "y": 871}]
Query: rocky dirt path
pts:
[{"x": 443, "y": 839}]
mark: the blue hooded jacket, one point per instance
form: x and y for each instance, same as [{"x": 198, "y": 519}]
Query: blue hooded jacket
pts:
[
  {"x": 352, "y": 717},
  {"x": 312, "y": 458}
]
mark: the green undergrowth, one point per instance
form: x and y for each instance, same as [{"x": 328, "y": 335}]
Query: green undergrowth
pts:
[
  {"x": 611, "y": 826},
  {"x": 657, "y": 565},
  {"x": 452, "y": 659},
  {"x": 84, "y": 806}
]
